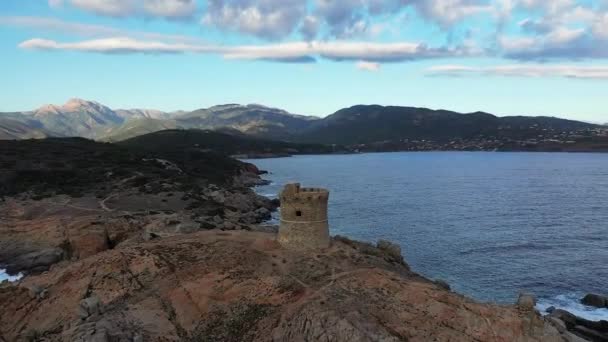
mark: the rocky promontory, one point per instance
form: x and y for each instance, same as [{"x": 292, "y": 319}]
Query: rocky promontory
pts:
[{"x": 118, "y": 244}]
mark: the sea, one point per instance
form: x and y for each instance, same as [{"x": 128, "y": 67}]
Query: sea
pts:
[{"x": 491, "y": 224}]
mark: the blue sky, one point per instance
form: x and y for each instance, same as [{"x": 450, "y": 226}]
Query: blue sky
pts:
[{"x": 507, "y": 57}]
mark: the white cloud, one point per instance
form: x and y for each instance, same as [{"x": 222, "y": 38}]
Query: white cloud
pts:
[
  {"x": 449, "y": 12},
  {"x": 170, "y": 9},
  {"x": 559, "y": 43},
  {"x": 287, "y": 52},
  {"x": 310, "y": 27},
  {"x": 549, "y": 30},
  {"x": 115, "y": 8},
  {"x": 45, "y": 24},
  {"x": 368, "y": 66},
  {"x": 271, "y": 19},
  {"x": 600, "y": 26},
  {"x": 523, "y": 70}
]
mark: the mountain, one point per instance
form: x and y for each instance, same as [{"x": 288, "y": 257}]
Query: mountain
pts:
[
  {"x": 255, "y": 120},
  {"x": 361, "y": 124},
  {"x": 373, "y": 123},
  {"x": 77, "y": 118},
  {"x": 90, "y": 119},
  {"x": 130, "y": 114},
  {"x": 136, "y": 127}
]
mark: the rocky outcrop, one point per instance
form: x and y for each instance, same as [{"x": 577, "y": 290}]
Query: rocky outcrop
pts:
[
  {"x": 243, "y": 286},
  {"x": 35, "y": 261},
  {"x": 577, "y": 327},
  {"x": 595, "y": 300},
  {"x": 71, "y": 199},
  {"x": 36, "y": 234}
]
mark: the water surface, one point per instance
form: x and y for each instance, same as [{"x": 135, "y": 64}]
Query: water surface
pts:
[{"x": 490, "y": 224}]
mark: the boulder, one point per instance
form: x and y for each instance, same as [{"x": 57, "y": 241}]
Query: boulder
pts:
[
  {"x": 37, "y": 261},
  {"x": 37, "y": 292},
  {"x": 565, "y": 316},
  {"x": 88, "y": 307},
  {"x": 526, "y": 302},
  {"x": 217, "y": 196},
  {"x": 592, "y": 330},
  {"x": 557, "y": 323},
  {"x": 595, "y": 300}
]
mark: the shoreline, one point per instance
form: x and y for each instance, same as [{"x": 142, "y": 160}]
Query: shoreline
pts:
[
  {"x": 568, "y": 302},
  {"x": 427, "y": 151},
  {"x": 152, "y": 252}
]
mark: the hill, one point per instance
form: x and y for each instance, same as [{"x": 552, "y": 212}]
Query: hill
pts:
[
  {"x": 372, "y": 123},
  {"x": 137, "y": 127},
  {"x": 77, "y": 165},
  {"x": 362, "y": 127},
  {"x": 228, "y": 144},
  {"x": 254, "y": 120},
  {"x": 15, "y": 126}
]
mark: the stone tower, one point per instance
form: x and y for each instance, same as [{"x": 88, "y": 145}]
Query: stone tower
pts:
[{"x": 304, "y": 218}]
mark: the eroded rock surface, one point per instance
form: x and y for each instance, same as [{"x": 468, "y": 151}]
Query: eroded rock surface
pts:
[{"x": 243, "y": 286}]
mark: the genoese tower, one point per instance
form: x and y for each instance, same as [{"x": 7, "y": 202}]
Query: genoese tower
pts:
[{"x": 304, "y": 218}]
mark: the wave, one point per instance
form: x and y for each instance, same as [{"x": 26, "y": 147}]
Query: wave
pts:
[
  {"x": 4, "y": 276},
  {"x": 571, "y": 303}
]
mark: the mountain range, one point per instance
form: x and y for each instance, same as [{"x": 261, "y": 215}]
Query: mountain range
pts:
[{"x": 361, "y": 124}]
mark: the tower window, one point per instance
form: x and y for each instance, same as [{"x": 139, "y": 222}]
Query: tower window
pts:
[{"x": 298, "y": 213}]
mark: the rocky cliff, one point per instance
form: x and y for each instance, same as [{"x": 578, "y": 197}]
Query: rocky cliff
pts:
[
  {"x": 242, "y": 286},
  {"x": 120, "y": 246}
]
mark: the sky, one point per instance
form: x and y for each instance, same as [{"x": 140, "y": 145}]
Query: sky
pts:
[{"x": 312, "y": 57}]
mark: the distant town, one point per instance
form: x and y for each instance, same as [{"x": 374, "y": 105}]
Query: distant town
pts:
[{"x": 551, "y": 140}]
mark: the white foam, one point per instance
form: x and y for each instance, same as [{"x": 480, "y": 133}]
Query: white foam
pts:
[
  {"x": 4, "y": 276},
  {"x": 571, "y": 303}
]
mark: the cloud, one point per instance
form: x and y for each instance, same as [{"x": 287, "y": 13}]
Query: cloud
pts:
[
  {"x": 523, "y": 70},
  {"x": 560, "y": 43},
  {"x": 270, "y": 19},
  {"x": 286, "y": 52},
  {"x": 86, "y": 30},
  {"x": 310, "y": 27},
  {"x": 538, "y": 30},
  {"x": 114, "y": 8},
  {"x": 352, "y": 18},
  {"x": 448, "y": 13},
  {"x": 368, "y": 66},
  {"x": 561, "y": 29},
  {"x": 169, "y": 9}
]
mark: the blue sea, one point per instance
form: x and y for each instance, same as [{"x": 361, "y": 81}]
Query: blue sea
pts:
[{"x": 490, "y": 224}]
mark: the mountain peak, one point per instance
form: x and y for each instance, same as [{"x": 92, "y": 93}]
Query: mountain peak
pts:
[
  {"x": 48, "y": 109},
  {"x": 76, "y": 104}
]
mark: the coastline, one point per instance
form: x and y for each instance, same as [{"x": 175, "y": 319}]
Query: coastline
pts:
[
  {"x": 569, "y": 301},
  {"x": 162, "y": 255}
]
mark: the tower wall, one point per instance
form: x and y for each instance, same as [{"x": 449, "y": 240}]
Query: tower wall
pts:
[{"x": 304, "y": 223}]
